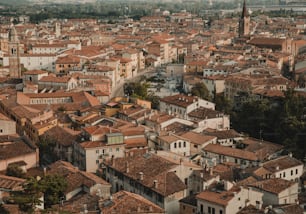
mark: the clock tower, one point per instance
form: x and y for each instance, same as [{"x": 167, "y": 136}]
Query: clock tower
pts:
[{"x": 14, "y": 55}]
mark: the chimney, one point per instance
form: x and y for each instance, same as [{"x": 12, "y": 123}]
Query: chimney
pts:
[
  {"x": 45, "y": 171},
  {"x": 227, "y": 185},
  {"x": 181, "y": 161},
  {"x": 85, "y": 208},
  {"x": 258, "y": 206},
  {"x": 141, "y": 176},
  {"x": 112, "y": 161},
  {"x": 155, "y": 184},
  {"x": 211, "y": 172},
  {"x": 127, "y": 167}
]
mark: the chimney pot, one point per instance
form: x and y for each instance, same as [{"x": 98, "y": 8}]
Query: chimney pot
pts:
[
  {"x": 211, "y": 171},
  {"x": 141, "y": 176},
  {"x": 155, "y": 184},
  {"x": 127, "y": 167}
]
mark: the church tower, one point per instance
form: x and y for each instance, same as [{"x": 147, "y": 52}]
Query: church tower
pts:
[
  {"x": 244, "y": 22},
  {"x": 14, "y": 56},
  {"x": 57, "y": 30}
]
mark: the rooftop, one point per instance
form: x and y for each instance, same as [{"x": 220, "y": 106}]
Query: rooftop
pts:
[
  {"x": 273, "y": 185},
  {"x": 179, "y": 100},
  {"x": 152, "y": 168},
  {"x": 127, "y": 202}
]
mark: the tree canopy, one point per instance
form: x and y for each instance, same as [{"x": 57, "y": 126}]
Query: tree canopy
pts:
[
  {"x": 52, "y": 187},
  {"x": 281, "y": 122},
  {"x": 140, "y": 90},
  {"x": 201, "y": 91}
]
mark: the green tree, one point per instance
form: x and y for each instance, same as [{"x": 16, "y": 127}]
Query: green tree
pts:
[
  {"x": 136, "y": 89},
  {"x": 201, "y": 91},
  {"x": 154, "y": 100},
  {"x": 46, "y": 146},
  {"x": 29, "y": 197},
  {"x": 54, "y": 187},
  {"x": 222, "y": 103}
]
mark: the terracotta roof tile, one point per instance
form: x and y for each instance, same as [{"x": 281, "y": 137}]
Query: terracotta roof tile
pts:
[
  {"x": 153, "y": 168},
  {"x": 127, "y": 202},
  {"x": 231, "y": 152},
  {"x": 273, "y": 185},
  {"x": 197, "y": 138}
]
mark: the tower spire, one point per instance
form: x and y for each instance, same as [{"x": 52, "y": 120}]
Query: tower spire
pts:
[
  {"x": 244, "y": 10},
  {"x": 244, "y": 22}
]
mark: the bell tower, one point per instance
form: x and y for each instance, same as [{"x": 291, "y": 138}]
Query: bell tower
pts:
[
  {"x": 14, "y": 55},
  {"x": 244, "y": 22}
]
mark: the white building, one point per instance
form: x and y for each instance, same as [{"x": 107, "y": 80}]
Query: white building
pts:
[
  {"x": 35, "y": 61},
  {"x": 227, "y": 201},
  {"x": 181, "y": 105},
  {"x": 7, "y": 126},
  {"x": 285, "y": 167},
  {"x": 277, "y": 191},
  {"x": 208, "y": 118},
  {"x": 175, "y": 144},
  {"x": 214, "y": 84}
]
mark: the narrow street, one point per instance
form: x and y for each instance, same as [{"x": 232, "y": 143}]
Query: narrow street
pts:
[{"x": 118, "y": 90}]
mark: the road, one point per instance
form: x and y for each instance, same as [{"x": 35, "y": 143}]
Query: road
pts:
[{"x": 118, "y": 90}]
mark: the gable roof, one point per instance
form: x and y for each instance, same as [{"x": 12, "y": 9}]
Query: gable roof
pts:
[
  {"x": 281, "y": 163},
  {"x": 75, "y": 178},
  {"x": 197, "y": 138},
  {"x": 127, "y": 202},
  {"x": 154, "y": 168},
  {"x": 231, "y": 152},
  {"x": 273, "y": 185}
]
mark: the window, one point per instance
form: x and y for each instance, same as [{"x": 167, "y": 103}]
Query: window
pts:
[
  {"x": 97, "y": 151},
  {"x": 180, "y": 145},
  {"x": 291, "y": 172},
  {"x": 117, "y": 149},
  {"x": 201, "y": 208},
  {"x": 296, "y": 171},
  {"x": 221, "y": 212},
  {"x": 209, "y": 210},
  {"x": 184, "y": 144},
  {"x": 175, "y": 145},
  {"x": 284, "y": 174},
  {"x": 97, "y": 161}
]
